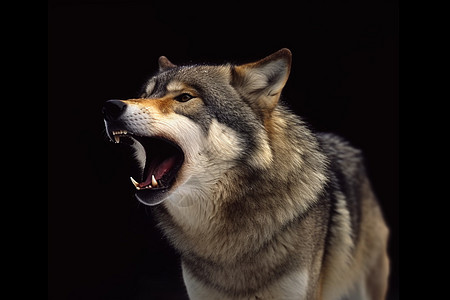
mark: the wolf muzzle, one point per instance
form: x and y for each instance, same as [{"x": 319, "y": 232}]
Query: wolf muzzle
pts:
[{"x": 158, "y": 159}]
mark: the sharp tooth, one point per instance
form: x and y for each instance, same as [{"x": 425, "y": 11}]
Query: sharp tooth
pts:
[
  {"x": 154, "y": 182},
  {"x": 135, "y": 183},
  {"x": 116, "y": 139}
]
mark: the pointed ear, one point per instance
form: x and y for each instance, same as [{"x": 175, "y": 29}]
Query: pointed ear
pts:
[
  {"x": 261, "y": 82},
  {"x": 165, "y": 63}
]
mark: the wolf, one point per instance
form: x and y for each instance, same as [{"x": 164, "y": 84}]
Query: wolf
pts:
[{"x": 257, "y": 204}]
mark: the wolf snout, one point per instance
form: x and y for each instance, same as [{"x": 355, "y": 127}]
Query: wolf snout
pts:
[{"x": 113, "y": 109}]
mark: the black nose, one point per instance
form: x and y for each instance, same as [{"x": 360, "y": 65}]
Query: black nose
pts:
[{"x": 113, "y": 109}]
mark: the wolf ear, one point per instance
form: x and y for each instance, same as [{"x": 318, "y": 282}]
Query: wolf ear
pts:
[
  {"x": 165, "y": 63},
  {"x": 261, "y": 82}
]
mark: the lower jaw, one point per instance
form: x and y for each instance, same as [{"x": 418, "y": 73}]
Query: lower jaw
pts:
[{"x": 152, "y": 196}]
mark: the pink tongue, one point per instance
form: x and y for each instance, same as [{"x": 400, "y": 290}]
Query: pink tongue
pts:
[{"x": 159, "y": 170}]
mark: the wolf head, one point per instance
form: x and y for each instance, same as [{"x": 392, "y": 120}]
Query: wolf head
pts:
[{"x": 193, "y": 124}]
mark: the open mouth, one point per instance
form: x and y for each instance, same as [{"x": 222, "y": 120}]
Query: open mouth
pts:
[{"x": 159, "y": 162}]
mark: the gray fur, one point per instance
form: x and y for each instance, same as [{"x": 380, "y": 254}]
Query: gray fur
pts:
[{"x": 289, "y": 215}]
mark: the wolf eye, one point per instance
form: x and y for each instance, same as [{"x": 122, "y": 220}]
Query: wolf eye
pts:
[{"x": 184, "y": 97}]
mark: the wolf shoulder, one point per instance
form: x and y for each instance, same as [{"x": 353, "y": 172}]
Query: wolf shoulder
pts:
[
  {"x": 346, "y": 173},
  {"x": 342, "y": 156}
]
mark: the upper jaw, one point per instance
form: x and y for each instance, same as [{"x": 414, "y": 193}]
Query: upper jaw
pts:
[{"x": 117, "y": 134}]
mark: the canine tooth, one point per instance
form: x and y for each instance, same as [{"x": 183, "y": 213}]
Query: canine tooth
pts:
[
  {"x": 135, "y": 183},
  {"x": 154, "y": 182},
  {"x": 116, "y": 139}
]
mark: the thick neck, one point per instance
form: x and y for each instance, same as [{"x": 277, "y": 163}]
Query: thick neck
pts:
[{"x": 243, "y": 198}]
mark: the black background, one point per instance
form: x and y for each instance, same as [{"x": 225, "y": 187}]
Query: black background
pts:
[{"x": 102, "y": 243}]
